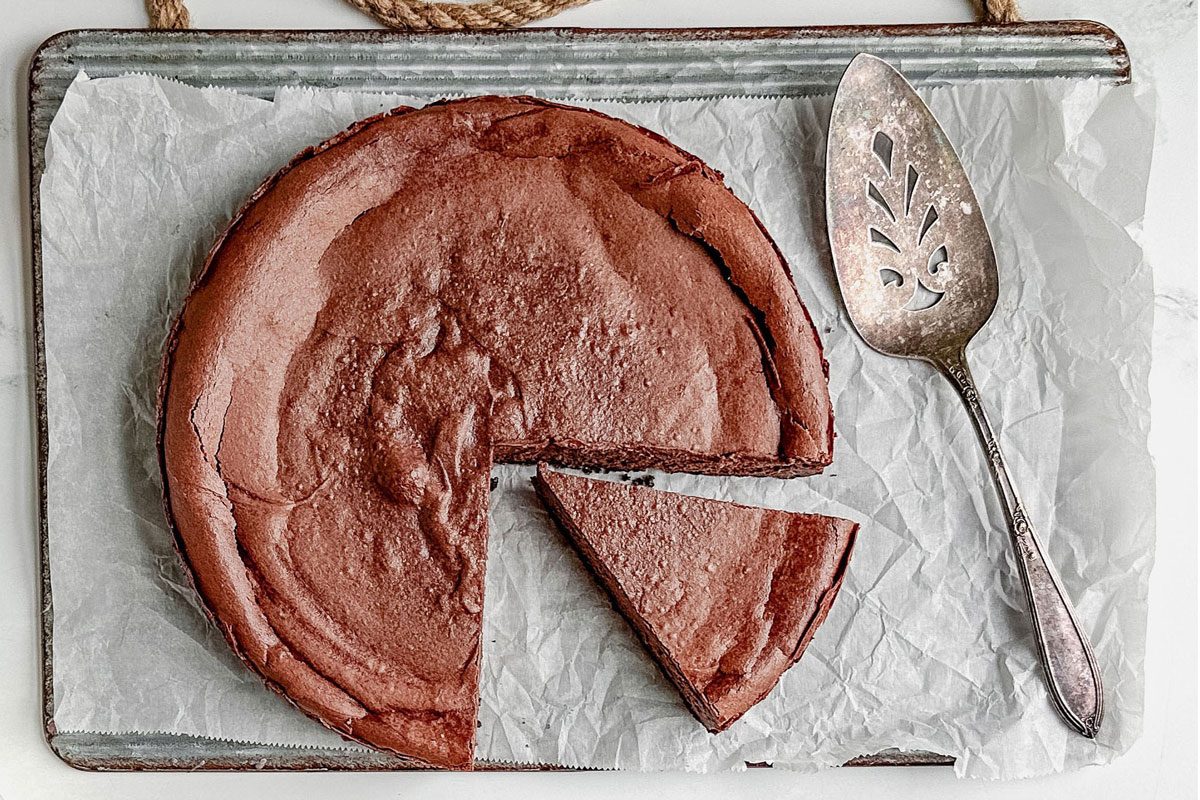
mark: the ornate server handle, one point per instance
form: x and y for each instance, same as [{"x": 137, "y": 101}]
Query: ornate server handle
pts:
[{"x": 1071, "y": 671}]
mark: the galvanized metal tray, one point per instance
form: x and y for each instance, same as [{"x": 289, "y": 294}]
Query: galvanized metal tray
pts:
[{"x": 560, "y": 62}]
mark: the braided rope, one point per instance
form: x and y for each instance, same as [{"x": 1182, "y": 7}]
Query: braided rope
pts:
[
  {"x": 417, "y": 15},
  {"x": 997, "y": 11},
  {"x": 413, "y": 15},
  {"x": 168, "y": 14}
]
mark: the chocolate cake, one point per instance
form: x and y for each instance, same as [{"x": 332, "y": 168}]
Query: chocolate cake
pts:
[
  {"x": 724, "y": 596},
  {"x": 484, "y": 280}
]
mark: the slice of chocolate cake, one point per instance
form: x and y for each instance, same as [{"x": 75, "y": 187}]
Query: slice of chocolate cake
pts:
[{"x": 725, "y": 596}]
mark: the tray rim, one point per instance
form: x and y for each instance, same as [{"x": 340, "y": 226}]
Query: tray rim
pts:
[
  {"x": 1044, "y": 28},
  {"x": 314, "y": 759},
  {"x": 1117, "y": 52}
]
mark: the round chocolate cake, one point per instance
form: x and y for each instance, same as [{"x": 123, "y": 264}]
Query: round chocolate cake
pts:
[{"x": 435, "y": 290}]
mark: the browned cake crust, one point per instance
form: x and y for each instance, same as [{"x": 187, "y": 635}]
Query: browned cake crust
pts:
[
  {"x": 726, "y": 597},
  {"x": 491, "y": 279}
]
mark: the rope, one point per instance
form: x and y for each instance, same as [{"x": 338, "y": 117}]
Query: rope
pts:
[
  {"x": 991, "y": 12},
  {"x": 413, "y": 15},
  {"x": 168, "y": 14},
  {"x": 417, "y": 15}
]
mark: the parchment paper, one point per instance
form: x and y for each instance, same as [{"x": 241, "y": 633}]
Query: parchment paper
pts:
[{"x": 929, "y": 644}]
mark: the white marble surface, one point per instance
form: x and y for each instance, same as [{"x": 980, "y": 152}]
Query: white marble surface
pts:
[{"x": 1161, "y": 35}]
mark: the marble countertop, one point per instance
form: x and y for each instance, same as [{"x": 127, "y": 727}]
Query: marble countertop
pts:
[{"x": 1161, "y": 36}]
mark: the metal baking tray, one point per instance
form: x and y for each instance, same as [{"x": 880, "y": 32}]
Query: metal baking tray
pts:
[{"x": 564, "y": 63}]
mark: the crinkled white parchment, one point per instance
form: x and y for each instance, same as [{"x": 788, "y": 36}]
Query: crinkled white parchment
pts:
[{"x": 929, "y": 644}]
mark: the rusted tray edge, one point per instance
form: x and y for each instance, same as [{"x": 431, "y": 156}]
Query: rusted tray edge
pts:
[
  {"x": 105, "y": 752},
  {"x": 132, "y": 752},
  {"x": 1032, "y": 28}
]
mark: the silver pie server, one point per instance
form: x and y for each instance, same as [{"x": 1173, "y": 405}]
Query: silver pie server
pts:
[{"x": 918, "y": 276}]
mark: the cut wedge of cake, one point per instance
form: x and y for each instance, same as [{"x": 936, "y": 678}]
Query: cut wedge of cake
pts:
[{"x": 726, "y": 597}]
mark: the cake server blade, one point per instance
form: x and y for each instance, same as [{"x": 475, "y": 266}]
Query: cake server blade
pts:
[{"x": 918, "y": 275}]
